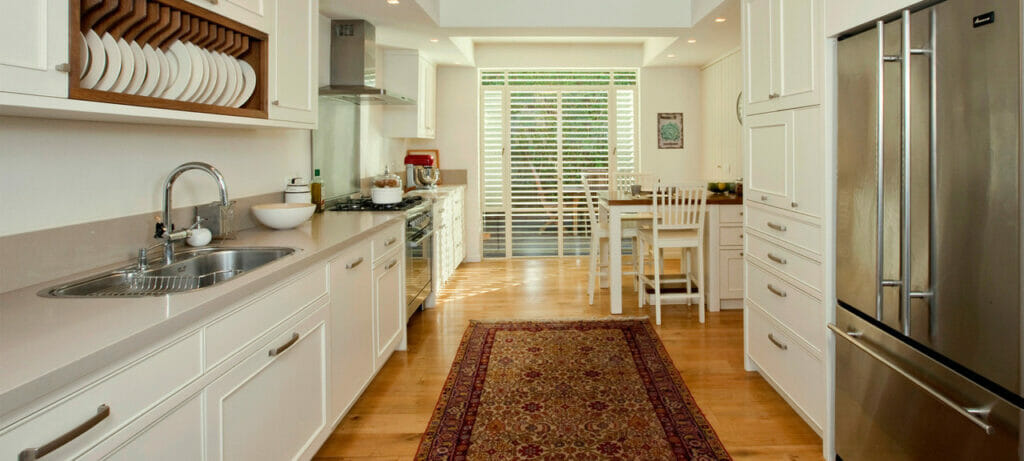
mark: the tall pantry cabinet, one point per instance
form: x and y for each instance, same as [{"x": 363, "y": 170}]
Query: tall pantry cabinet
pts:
[{"x": 784, "y": 207}]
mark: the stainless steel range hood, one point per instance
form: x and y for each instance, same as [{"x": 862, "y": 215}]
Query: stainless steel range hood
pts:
[{"x": 353, "y": 69}]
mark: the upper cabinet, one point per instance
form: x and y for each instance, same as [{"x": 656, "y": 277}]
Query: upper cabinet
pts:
[
  {"x": 408, "y": 74},
  {"x": 253, "y": 13},
  {"x": 293, "y": 58},
  {"x": 247, "y": 63},
  {"x": 34, "y": 53},
  {"x": 784, "y": 158},
  {"x": 782, "y": 48}
]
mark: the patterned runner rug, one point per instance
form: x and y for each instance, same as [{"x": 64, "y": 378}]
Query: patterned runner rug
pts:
[{"x": 573, "y": 390}]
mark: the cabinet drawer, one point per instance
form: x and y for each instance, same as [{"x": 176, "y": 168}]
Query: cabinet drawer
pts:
[
  {"x": 728, "y": 214},
  {"x": 387, "y": 240},
  {"x": 792, "y": 307},
  {"x": 798, "y": 374},
  {"x": 239, "y": 328},
  {"x": 127, "y": 393},
  {"x": 798, "y": 233},
  {"x": 730, "y": 236},
  {"x": 788, "y": 262}
]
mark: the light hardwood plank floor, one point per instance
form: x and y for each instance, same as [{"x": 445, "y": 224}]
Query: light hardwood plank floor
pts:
[{"x": 386, "y": 423}]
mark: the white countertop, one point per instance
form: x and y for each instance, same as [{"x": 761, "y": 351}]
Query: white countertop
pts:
[
  {"x": 433, "y": 194},
  {"x": 48, "y": 343}
]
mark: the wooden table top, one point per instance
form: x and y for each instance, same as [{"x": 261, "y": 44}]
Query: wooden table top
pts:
[{"x": 616, "y": 198}]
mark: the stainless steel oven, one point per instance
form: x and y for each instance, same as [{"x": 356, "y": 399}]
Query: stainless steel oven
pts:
[{"x": 419, "y": 247}]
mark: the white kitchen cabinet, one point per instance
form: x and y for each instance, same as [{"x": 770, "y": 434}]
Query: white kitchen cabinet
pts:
[
  {"x": 33, "y": 44},
  {"x": 730, "y": 273},
  {"x": 253, "y": 13},
  {"x": 783, "y": 52},
  {"x": 177, "y": 436},
  {"x": 723, "y": 253},
  {"x": 352, "y": 348},
  {"x": 273, "y": 405},
  {"x": 722, "y": 128},
  {"x": 388, "y": 305},
  {"x": 784, "y": 160},
  {"x": 408, "y": 74},
  {"x": 293, "y": 60}
]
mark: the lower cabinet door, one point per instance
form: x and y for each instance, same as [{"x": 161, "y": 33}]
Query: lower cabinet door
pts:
[
  {"x": 352, "y": 348},
  {"x": 177, "y": 436},
  {"x": 389, "y": 305},
  {"x": 730, "y": 273},
  {"x": 272, "y": 406}
]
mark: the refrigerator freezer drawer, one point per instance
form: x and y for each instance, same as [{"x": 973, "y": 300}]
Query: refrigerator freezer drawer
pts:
[
  {"x": 797, "y": 374},
  {"x": 906, "y": 406}
]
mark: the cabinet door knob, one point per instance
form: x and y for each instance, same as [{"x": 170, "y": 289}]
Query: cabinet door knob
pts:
[
  {"x": 793, "y": 204},
  {"x": 764, "y": 198},
  {"x": 276, "y": 102},
  {"x": 63, "y": 67}
]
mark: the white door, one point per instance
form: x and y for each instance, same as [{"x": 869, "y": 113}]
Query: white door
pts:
[
  {"x": 730, "y": 274},
  {"x": 352, "y": 348},
  {"x": 808, "y": 158},
  {"x": 33, "y": 43},
  {"x": 797, "y": 43},
  {"x": 272, "y": 407},
  {"x": 389, "y": 304},
  {"x": 758, "y": 36},
  {"x": 768, "y": 143},
  {"x": 176, "y": 436},
  {"x": 293, "y": 60}
]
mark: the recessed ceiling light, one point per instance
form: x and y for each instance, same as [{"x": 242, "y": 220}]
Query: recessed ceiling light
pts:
[
  {"x": 393, "y": 2},
  {"x": 719, "y": 19},
  {"x": 434, "y": 40},
  {"x": 692, "y": 40},
  {"x": 671, "y": 55}
]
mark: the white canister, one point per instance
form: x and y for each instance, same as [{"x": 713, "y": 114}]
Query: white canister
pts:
[{"x": 297, "y": 191}]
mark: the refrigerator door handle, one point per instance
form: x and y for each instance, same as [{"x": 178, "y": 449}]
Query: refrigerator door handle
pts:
[
  {"x": 974, "y": 415},
  {"x": 929, "y": 293},
  {"x": 880, "y": 171}
]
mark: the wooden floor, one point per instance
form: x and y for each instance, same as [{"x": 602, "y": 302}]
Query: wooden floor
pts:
[{"x": 386, "y": 423}]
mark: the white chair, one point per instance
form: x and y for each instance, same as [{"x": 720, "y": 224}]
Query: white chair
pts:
[
  {"x": 598, "y": 232},
  {"x": 678, "y": 223},
  {"x": 624, "y": 181}
]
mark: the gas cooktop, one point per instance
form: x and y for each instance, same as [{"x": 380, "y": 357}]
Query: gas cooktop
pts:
[{"x": 366, "y": 204}]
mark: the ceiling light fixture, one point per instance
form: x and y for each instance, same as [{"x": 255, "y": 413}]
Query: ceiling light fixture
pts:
[
  {"x": 671, "y": 55},
  {"x": 719, "y": 19},
  {"x": 434, "y": 40},
  {"x": 692, "y": 40},
  {"x": 393, "y": 2}
]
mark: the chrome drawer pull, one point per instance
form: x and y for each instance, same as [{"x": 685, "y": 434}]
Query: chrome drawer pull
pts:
[
  {"x": 285, "y": 346},
  {"x": 353, "y": 264},
  {"x": 390, "y": 241},
  {"x": 391, "y": 264},
  {"x": 972, "y": 414},
  {"x": 31, "y": 454},
  {"x": 778, "y": 292},
  {"x": 764, "y": 198},
  {"x": 778, "y": 227},
  {"x": 776, "y": 259},
  {"x": 776, "y": 342}
]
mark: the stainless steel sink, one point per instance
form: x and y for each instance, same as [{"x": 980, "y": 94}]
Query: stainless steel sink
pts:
[{"x": 190, "y": 270}]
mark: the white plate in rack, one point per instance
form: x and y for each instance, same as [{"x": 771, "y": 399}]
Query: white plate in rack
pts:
[
  {"x": 230, "y": 81},
  {"x": 113, "y": 70},
  {"x": 127, "y": 67},
  {"x": 221, "y": 71},
  {"x": 83, "y": 54},
  {"x": 153, "y": 70},
  {"x": 195, "y": 79},
  {"x": 181, "y": 70},
  {"x": 250, "y": 84},
  {"x": 97, "y": 60},
  {"x": 239, "y": 82},
  {"x": 141, "y": 69}
]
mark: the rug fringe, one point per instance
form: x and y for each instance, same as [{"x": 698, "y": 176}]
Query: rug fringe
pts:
[{"x": 566, "y": 319}]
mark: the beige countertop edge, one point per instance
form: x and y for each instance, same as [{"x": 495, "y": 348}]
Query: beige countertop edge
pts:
[{"x": 140, "y": 323}]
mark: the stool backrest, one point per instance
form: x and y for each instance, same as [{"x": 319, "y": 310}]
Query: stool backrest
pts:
[
  {"x": 593, "y": 183},
  {"x": 679, "y": 206},
  {"x": 623, "y": 181}
]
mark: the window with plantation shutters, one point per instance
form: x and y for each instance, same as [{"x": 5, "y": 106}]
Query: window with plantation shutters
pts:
[{"x": 540, "y": 132}]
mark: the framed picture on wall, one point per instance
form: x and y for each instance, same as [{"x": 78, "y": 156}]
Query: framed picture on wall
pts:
[{"x": 670, "y": 130}]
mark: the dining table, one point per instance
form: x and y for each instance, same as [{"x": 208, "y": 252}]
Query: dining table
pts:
[{"x": 614, "y": 204}]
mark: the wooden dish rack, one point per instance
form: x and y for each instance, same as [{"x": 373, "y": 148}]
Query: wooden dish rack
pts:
[{"x": 160, "y": 23}]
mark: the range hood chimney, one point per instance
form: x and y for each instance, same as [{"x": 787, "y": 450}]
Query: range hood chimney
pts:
[{"x": 353, "y": 69}]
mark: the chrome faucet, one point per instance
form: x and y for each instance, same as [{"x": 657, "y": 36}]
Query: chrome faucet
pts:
[{"x": 165, "y": 229}]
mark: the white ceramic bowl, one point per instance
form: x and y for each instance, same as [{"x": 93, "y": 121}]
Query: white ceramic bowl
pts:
[{"x": 283, "y": 215}]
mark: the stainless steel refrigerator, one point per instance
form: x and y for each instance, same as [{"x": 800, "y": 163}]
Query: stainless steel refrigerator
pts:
[{"x": 928, "y": 235}]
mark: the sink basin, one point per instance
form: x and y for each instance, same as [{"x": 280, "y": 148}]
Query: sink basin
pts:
[{"x": 191, "y": 270}]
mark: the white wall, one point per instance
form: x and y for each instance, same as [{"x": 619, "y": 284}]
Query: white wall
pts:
[
  {"x": 59, "y": 172},
  {"x": 671, "y": 89},
  {"x": 457, "y": 141}
]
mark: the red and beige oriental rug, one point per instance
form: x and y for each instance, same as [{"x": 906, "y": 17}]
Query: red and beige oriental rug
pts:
[{"x": 566, "y": 390}]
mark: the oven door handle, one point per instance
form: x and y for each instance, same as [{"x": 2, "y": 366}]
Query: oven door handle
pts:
[{"x": 420, "y": 240}]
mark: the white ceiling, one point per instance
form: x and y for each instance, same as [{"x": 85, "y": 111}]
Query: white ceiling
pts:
[{"x": 412, "y": 25}]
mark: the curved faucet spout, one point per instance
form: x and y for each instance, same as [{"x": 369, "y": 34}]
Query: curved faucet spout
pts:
[{"x": 169, "y": 235}]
